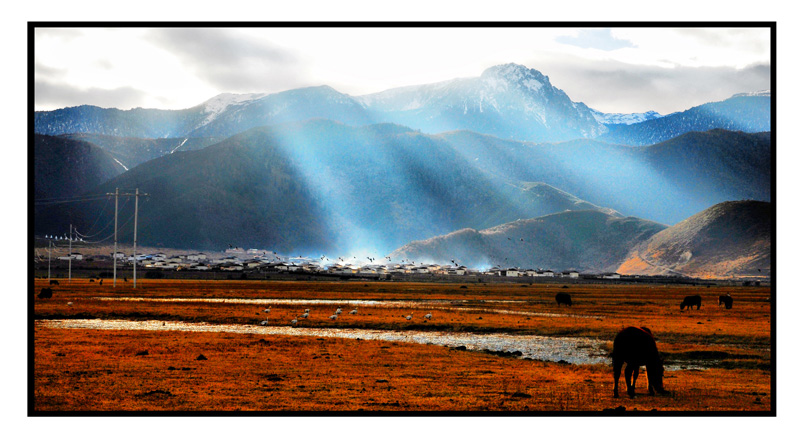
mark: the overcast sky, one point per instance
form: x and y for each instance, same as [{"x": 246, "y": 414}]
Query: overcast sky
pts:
[{"x": 611, "y": 70}]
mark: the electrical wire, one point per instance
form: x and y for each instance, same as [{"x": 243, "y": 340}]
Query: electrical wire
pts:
[
  {"x": 102, "y": 210},
  {"x": 105, "y": 227}
]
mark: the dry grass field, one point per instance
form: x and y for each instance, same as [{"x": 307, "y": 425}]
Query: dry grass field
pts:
[{"x": 718, "y": 360}]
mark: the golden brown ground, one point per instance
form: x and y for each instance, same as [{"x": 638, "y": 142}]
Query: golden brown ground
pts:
[{"x": 99, "y": 370}]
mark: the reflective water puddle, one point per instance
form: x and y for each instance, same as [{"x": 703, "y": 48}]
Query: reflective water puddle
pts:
[
  {"x": 426, "y": 304},
  {"x": 579, "y": 351}
]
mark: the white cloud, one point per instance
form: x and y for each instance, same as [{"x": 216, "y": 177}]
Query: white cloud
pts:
[{"x": 179, "y": 68}]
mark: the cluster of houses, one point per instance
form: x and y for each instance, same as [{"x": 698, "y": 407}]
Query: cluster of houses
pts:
[
  {"x": 237, "y": 259},
  {"x": 253, "y": 260}
]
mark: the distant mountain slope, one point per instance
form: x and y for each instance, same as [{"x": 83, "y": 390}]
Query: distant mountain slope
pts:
[
  {"x": 589, "y": 241},
  {"x": 321, "y": 102},
  {"x": 728, "y": 240},
  {"x": 320, "y": 185},
  {"x": 508, "y": 101},
  {"x": 667, "y": 182},
  {"x": 64, "y": 168},
  {"x": 130, "y": 152},
  {"x": 742, "y": 112},
  {"x": 137, "y": 122}
]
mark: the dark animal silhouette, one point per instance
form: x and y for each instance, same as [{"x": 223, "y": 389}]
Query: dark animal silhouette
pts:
[
  {"x": 46, "y": 292},
  {"x": 563, "y": 298},
  {"x": 691, "y": 301},
  {"x": 53, "y": 282},
  {"x": 727, "y": 300},
  {"x": 91, "y": 280},
  {"x": 635, "y": 347}
]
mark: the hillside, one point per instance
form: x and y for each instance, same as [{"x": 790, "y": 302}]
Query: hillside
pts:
[
  {"x": 742, "y": 112},
  {"x": 131, "y": 152},
  {"x": 64, "y": 168},
  {"x": 589, "y": 241},
  {"x": 324, "y": 186},
  {"x": 667, "y": 182},
  {"x": 728, "y": 240},
  {"x": 318, "y": 186}
]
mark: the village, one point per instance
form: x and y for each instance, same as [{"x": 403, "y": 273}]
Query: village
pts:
[{"x": 258, "y": 260}]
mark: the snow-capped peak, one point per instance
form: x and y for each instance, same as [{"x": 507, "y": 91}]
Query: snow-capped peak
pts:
[
  {"x": 516, "y": 74},
  {"x": 760, "y": 93},
  {"x": 624, "y": 119},
  {"x": 218, "y": 104}
]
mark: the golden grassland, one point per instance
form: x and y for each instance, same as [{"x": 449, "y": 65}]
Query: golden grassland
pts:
[{"x": 107, "y": 370}]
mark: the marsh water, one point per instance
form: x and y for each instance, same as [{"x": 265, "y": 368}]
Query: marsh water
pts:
[{"x": 579, "y": 351}]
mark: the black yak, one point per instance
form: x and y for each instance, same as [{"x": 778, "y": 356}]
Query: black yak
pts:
[
  {"x": 691, "y": 301},
  {"x": 563, "y": 298},
  {"x": 727, "y": 300},
  {"x": 53, "y": 282},
  {"x": 635, "y": 347},
  {"x": 46, "y": 292}
]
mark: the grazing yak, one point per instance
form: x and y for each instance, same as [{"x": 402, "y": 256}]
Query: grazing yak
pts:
[
  {"x": 563, "y": 298},
  {"x": 46, "y": 292},
  {"x": 635, "y": 347},
  {"x": 52, "y": 282},
  {"x": 727, "y": 300},
  {"x": 691, "y": 301}
]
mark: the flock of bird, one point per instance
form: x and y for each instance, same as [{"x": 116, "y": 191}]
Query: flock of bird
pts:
[{"x": 333, "y": 317}]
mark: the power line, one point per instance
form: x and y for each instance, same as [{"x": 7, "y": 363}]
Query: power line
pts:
[
  {"x": 107, "y": 225},
  {"x": 84, "y": 198},
  {"x": 96, "y": 220}
]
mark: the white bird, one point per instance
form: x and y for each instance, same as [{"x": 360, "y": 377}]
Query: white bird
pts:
[
  {"x": 334, "y": 316},
  {"x": 408, "y": 317},
  {"x": 305, "y": 315},
  {"x": 265, "y": 322},
  {"x": 70, "y": 303},
  {"x": 308, "y": 310},
  {"x": 267, "y": 309},
  {"x": 338, "y": 311},
  {"x": 429, "y": 316},
  {"x": 354, "y": 311},
  {"x": 294, "y": 321}
]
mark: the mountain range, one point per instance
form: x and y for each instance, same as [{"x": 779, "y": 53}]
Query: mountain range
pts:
[
  {"x": 324, "y": 186},
  {"x": 507, "y": 101},
  {"x": 416, "y": 170}
]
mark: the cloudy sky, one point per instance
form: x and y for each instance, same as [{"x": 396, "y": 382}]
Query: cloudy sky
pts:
[{"x": 610, "y": 69}]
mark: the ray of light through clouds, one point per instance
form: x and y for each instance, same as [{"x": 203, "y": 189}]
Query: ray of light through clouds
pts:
[{"x": 613, "y": 70}]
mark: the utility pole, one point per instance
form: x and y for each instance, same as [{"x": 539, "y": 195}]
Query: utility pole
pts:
[
  {"x": 114, "y": 256},
  {"x": 49, "y": 245},
  {"x": 70, "y": 254},
  {"x": 116, "y": 196},
  {"x": 135, "y": 226}
]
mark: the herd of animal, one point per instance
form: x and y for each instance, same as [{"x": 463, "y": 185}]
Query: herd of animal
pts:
[{"x": 690, "y": 302}]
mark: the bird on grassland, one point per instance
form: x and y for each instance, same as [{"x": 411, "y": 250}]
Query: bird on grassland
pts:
[
  {"x": 408, "y": 317},
  {"x": 354, "y": 311},
  {"x": 265, "y": 322},
  {"x": 294, "y": 321},
  {"x": 267, "y": 309},
  {"x": 429, "y": 316},
  {"x": 334, "y": 316},
  {"x": 338, "y": 311}
]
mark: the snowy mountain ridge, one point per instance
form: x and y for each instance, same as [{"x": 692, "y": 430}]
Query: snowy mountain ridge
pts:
[{"x": 624, "y": 119}]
